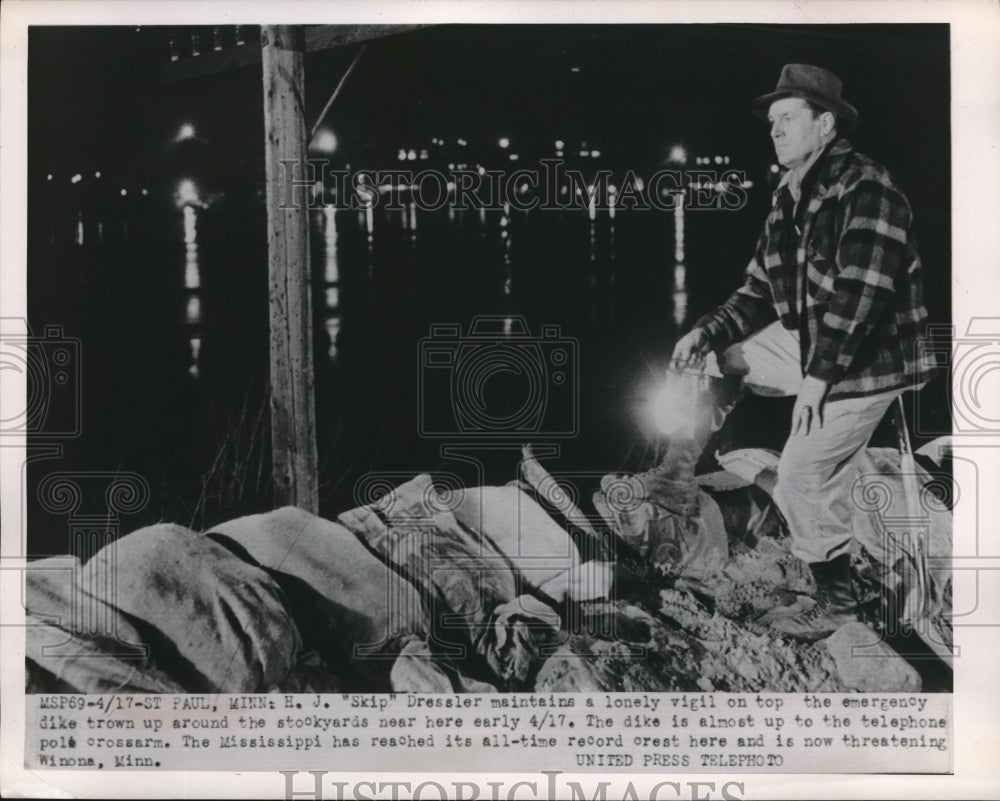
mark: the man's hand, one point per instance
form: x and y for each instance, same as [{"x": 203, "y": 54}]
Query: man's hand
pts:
[
  {"x": 691, "y": 349},
  {"x": 807, "y": 416}
]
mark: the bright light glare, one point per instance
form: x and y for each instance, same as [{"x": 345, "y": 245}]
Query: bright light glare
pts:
[
  {"x": 672, "y": 408},
  {"x": 325, "y": 141},
  {"x": 678, "y": 154},
  {"x": 560, "y": 144},
  {"x": 504, "y": 142},
  {"x": 186, "y": 132}
]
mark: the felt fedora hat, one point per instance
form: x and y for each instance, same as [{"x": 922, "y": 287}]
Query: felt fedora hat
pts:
[{"x": 814, "y": 84}]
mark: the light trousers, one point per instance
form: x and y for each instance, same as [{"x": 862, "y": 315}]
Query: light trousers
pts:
[{"x": 816, "y": 471}]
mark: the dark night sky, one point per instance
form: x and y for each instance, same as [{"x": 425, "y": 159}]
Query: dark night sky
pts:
[{"x": 96, "y": 92}]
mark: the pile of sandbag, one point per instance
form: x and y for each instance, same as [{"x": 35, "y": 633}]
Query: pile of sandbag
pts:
[{"x": 475, "y": 590}]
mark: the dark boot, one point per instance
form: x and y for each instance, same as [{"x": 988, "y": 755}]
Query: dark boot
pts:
[{"x": 835, "y": 604}]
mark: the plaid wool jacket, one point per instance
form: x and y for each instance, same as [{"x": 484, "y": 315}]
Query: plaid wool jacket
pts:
[{"x": 851, "y": 266}]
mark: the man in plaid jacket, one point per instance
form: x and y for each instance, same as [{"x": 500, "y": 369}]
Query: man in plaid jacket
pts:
[{"x": 830, "y": 311}]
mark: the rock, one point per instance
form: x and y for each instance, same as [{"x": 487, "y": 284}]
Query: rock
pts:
[{"x": 866, "y": 663}]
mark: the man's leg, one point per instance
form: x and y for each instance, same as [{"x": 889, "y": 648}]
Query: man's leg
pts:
[
  {"x": 816, "y": 474},
  {"x": 766, "y": 363}
]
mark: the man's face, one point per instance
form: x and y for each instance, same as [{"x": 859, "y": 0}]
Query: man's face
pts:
[{"x": 796, "y": 133}]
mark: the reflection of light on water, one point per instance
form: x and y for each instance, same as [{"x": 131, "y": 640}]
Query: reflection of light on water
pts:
[
  {"x": 680, "y": 277},
  {"x": 482, "y": 215},
  {"x": 680, "y": 307},
  {"x": 508, "y": 325},
  {"x": 505, "y": 222},
  {"x": 79, "y": 228},
  {"x": 193, "y": 310},
  {"x": 593, "y": 252},
  {"x": 190, "y": 225},
  {"x": 679, "y": 229},
  {"x": 195, "y": 350},
  {"x": 413, "y": 215},
  {"x": 369, "y": 221},
  {"x": 192, "y": 277},
  {"x": 332, "y": 329},
  {"x": 592, "y": 209},
  {"x": 331, "y": 271}
]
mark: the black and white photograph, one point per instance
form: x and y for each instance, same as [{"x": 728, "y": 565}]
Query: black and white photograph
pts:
[{"x": 510, "y": 395}]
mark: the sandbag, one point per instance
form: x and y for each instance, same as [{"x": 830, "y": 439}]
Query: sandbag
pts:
[
  {"x": 880, "y": 504},
  {"x": 216, "y": 623},
  {"x": 467, "y": 583},
  {"x": 75, "y": 642},
  {"x": 348, "y": 604},
  {"x": 671, "y": 522},
  {"x": 418, "y": 670},
  {"x": 537, "y": 548}
]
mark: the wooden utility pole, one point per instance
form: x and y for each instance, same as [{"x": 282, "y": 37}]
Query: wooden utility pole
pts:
[{"x": 293, "y": 405}]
